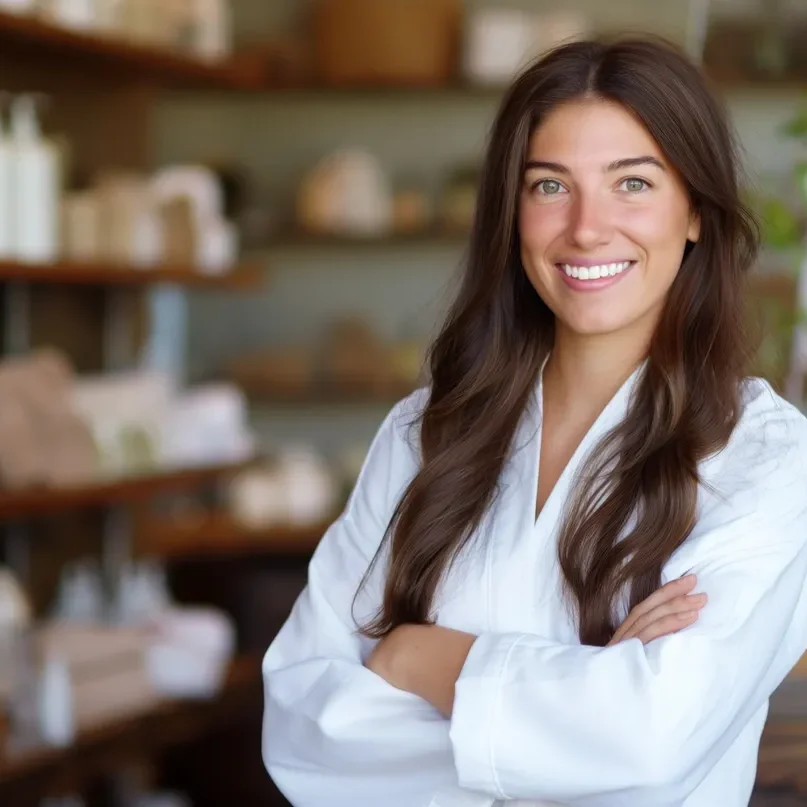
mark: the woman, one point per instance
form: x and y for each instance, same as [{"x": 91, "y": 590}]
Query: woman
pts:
[{"x": 513, "y": 605}]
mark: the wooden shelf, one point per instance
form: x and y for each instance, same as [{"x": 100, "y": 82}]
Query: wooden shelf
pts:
[
  {"x": 32, "y": 39},
  {"x": 244, "y": 277},
  {"x": 220, "y": 535},
  {"x": 314, "y": 89},
  {"x": 264, "y": 398},
  {"x": 296, "y": 239},
  {"x": 722, "y": 80},
  {"x": 46, "y": 501},
  {"x": 105, "y": 747}
]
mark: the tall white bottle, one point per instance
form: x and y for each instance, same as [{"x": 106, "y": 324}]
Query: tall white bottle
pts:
[
  {"x": 36, "y": 185},
  {"x": 56, "y": 707},
  {"x": 7, "y": 211}
]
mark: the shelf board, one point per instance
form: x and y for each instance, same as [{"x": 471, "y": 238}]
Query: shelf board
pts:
[
  {"x": 299, "y": 239},
  {"x": 99, "y": 749},
  {"x": 220, "y": 535},
  {"x": 258, "y": 397},
  {"x": 723, "y": 81},
  {"x": 32, "y": 38},
  {"x": 243, "y": 277},
  {"x": 457, "y": 88},
  {"x": 47, "y": 501}
]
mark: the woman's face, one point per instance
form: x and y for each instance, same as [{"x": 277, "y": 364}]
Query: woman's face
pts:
[{"x": 603, "y": 219}]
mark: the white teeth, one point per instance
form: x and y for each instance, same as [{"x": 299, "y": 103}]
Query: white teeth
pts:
[{"x": 595, "y": 272}]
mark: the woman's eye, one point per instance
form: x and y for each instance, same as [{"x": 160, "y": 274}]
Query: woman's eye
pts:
[
  {"x": 548, "y": 187},
  {"x": 634, "y": 184}
]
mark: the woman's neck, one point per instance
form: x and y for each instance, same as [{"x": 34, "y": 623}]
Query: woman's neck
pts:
[{"x": 583, "y": 373}]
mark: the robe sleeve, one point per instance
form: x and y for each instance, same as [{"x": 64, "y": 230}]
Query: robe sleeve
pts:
[
  {"x": 632, "y": 724},
  {"x": 334, "y": 732}
]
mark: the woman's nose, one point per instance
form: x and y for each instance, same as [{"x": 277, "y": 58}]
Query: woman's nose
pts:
[{"x": 590, "y": 222}]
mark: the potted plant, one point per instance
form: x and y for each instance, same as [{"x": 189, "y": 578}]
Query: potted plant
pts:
[{"x": 783, "y": 349}]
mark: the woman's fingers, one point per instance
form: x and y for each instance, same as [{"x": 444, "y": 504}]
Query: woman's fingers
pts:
[
  {"x": 669, "y": 591},
  {"x": 667, "y": 625},
  {"x": 669, "y": 614},
  {"x": 671, "y": 608}
]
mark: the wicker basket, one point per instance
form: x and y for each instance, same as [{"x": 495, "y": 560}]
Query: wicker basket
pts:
[{"x": 395, "y": 42}]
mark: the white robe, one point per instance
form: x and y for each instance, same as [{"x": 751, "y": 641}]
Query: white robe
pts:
[{"x": 538, "y": 718}]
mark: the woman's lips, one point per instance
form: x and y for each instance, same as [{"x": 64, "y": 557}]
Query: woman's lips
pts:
[{"x": 604, "y": 274}]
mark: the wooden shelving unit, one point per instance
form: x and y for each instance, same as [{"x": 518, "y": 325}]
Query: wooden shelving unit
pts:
[
  {"x": 433, "y": 237},
  {"x": 725, "y": 82},
  {"x": 219, "y": 535},
  {"x": 126, "y": 490},
  {"x": 168, "y": 724},
  {"x": 240, "y": 278},
  {"x": 102, "y": 95},
  {"x": 320, "y": 397},
  {"x": 33, "y": 39}
]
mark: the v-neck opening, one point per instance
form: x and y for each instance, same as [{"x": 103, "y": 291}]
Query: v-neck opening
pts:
[{"x": 596, "y": 430}]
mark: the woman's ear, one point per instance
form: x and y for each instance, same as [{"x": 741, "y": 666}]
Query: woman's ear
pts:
[{"x": 694, "y": 231}]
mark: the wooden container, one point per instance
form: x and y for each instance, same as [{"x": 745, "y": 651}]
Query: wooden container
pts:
[{"x": 395, "y": 42}]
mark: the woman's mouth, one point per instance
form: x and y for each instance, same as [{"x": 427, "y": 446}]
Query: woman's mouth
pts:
[{"x": 593, "y": 277}]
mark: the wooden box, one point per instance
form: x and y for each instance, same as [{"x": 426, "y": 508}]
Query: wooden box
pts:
[{"x": 395, "y": 42}]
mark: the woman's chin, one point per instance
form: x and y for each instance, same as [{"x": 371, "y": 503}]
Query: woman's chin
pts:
[{"x": 599, "y": 324}]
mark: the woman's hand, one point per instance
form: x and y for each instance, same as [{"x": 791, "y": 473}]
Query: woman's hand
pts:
[
  {"x": 665, "y": 611},
  {"x": 425, "y": 660}
]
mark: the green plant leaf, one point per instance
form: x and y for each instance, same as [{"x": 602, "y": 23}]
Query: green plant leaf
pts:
[
  {"x": 780, "y": 224},
  {"x": 801, "y": 180},
  {"x": 797, "y": 126}
]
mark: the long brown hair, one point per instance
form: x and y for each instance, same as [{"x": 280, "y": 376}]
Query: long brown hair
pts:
[{"x": 485, "y": 361}]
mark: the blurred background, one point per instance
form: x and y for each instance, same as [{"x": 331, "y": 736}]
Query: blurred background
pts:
[{"x": 227, "y": 233}]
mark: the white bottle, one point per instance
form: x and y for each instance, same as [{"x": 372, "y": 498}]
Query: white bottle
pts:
[
  {"x": 17, "y": 6},
  {"x": 36, "y": 185},
  {"x": 55, "y": 702},
  {"x": 212, "y": 38},
  {"x": 78, "y": 15},
  {"x": 6, "y": 190}
]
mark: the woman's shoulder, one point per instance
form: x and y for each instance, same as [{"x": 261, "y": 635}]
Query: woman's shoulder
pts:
[
  {"x": 767, "y": 414},
  {"x": 395, "y": 449},
  {"x": 402, "y": 423},
  {"x": 768, "y": 446}
]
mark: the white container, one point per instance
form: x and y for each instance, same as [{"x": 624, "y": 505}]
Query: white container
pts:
[
  {"x": 207, "y": 425},
  {"x": 18, "y": 6},
  {"x": 191, "y": 652},
  {"x": 217, "y": 247},
  {"x": 212, "y": 29},
  {"x": 501, "y": 42},
  {"x": 56, "y": 708},
  {"x": 36, "y": 185},
  {"x": 131, "y": 231},
  {"x": 81, "y": 227},
  {"x": 498, "y": 44},
  {"x": 77, "y": 15}
]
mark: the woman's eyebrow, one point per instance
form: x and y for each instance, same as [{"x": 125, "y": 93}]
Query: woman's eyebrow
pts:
[{"x": 617, "y": 165}]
